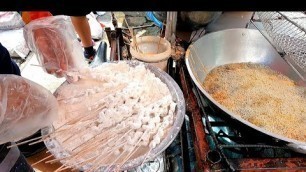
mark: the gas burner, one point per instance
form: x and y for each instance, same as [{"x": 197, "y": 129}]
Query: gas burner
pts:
[
  {"x": 221, "y": 146},
  {"x": 158, "y": 164}
]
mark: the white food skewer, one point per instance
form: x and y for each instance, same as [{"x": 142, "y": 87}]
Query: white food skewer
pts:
[
  {"x": 100, "y": 146},
  {"x": 133, "y": 150},
  {"x": 111, "y": 133}
]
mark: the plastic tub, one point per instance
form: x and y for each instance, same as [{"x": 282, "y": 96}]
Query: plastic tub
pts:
[{"x": 152, "y": 49}]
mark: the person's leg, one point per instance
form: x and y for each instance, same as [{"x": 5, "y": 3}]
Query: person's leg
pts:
[{"x": 82, "y": 27}]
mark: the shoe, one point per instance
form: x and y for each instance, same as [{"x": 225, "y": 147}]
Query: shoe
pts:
[{"x": 89, "y": 57}]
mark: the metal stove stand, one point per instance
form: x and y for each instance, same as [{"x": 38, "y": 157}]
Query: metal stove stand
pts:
[{"x": 220, "y": 145}]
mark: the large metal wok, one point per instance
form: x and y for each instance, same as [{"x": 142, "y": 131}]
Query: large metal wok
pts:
[{"x": 235, "y": 46}]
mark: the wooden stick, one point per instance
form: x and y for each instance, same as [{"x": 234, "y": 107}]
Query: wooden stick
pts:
[
  {"x": 97, "y": 162},
  {"x": 101, "y": 145},
  {"x": 89, "y": 148},
  {"x": 107, "y": 131},
  {"x": 55, "y": 132},
  {"x": 66, "y": 167},
  {"x": 56, "y": 160},
  {"x": 72, "y": 120},
  {"x": 58, "y": 170},
  {"x": 110, "y": 151},
  {"x": 95, "y": 143},
  {"x": 36, "y": 65},
  {"x": 133, "y": 36},
  {"x": 39, "y": 141},
  {"x": 102, "y": 133},
  {"x": 159, "y": 39},
  {"x": 74, "y": 155},
  {"x": 146, "y": 156},
  {"x": 132, "y": 152},
  {"x": 114, "y": 161},
  {"x": 26, "y": 141},
  {"x": 78, "y": 118},
  {"x": 77, "y": 132},
  {"x": 63, "y": 169},
  {"x": 36, "y": 138},
  {"x": 37, "y": 162},
  {"x": 97, "y": 159}
]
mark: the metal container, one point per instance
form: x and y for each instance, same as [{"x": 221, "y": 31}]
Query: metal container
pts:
[
  {"x": 236, "y": 46},
  {"x": 55, "y": 148}
]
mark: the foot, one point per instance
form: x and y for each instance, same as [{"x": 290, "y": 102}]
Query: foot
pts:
[{"x": 89, "y": 57}]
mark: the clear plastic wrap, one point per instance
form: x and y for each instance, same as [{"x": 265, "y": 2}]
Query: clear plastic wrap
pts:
[
  {"x": 55, "y": 43},
  {"x": 25, "y": 107}
]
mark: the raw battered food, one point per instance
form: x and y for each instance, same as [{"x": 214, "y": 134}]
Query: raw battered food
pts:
[
  {"x": 261, "y": 96},
  {"x": 113, "y": 113}
]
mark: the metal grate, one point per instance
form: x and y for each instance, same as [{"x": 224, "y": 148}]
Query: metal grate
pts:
[{"x": 288, "y": 31}]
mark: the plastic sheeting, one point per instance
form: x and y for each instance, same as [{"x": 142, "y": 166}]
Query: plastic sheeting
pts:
[{"x": 25, "y": 107}]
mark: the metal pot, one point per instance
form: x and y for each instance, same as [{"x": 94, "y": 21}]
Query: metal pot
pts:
[{"x": 193, "y": 20}]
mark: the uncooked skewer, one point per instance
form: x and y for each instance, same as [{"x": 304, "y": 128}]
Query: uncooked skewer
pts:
[
  {"x": 133, "y": 37},
  {"x": 110, "y": 144},
  {"x": 42, "y": 160},
  {"x": 160, "y": 37}
]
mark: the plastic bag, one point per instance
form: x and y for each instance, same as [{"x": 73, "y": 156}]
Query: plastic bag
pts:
[
  {"x": 95, "y": 27},
  {"x": 55, "y": 43},
  {"x": 14, "y": 42},
  {"x": 10, "y": 20},
  {"x": 25, "y": 107}
]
